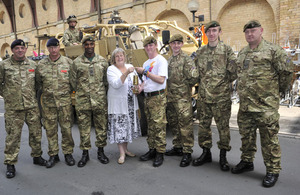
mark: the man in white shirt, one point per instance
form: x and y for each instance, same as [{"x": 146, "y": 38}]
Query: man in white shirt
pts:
[{"x": 155, "y": 71}]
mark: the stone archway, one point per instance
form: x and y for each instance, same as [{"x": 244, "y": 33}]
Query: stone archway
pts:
[
  {"x": 5, "y": 47},
  {"x": 235, "y": 14}
]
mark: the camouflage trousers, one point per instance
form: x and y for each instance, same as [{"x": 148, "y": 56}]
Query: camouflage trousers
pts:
[
  {"x": 51, "y": 118},
  {"x": 14, "y": 121},
  {"x": 155, "y": 110},
  {"x": 85, "y": 118},
  {"x": 180, "y": 121},
  {"x": 268, "y": 125},
  {"x": 221, "y": 112}
]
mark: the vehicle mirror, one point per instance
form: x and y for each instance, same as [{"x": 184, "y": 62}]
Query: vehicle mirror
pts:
[
  {"x": 191, "y": 28},
  {"x": 165, "y": 36}
]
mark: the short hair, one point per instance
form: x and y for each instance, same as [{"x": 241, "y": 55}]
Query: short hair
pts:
[{"x": 113, "y": 55}]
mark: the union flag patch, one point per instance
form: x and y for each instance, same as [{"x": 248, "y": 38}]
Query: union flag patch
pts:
[
  {"x": 31, "y": 70},
  {"x": 64, "y": 71}
]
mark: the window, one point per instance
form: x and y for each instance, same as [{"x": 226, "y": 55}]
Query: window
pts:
[
  {"x": 2, "y": 17},
  {"x": 21, "y": 10},
  {"x": 45, "y": 5}
]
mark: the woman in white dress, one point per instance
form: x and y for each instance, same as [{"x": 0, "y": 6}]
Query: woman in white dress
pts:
[{"x": 123, "y": 121}]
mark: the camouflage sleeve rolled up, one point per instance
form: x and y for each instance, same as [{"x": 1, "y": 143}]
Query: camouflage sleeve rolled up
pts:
[
  {"x": 190, "y": 71},
  {"x": 284, "y": 67},
  {"x": 231, "y": 64}
]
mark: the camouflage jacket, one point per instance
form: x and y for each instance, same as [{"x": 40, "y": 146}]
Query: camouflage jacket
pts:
[
  {"x": 90, "y": 82},
  {"x": 54, "y": 80},
  {"x": 182, "y": 75},
  {"x": 18, "y": 84},
  {"x": 70, "y": 37},
  {"x": 217, "y": 69},
  {"x": 261, "y": 73}
]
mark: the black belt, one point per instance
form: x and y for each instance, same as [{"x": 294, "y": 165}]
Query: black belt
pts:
[{"x": 154, "y": 93}]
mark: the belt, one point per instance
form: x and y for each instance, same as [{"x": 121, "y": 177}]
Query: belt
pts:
[{"x": 154, "y": 93}]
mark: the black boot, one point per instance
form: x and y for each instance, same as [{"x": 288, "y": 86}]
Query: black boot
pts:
[
  {"x": 243, "y": 166},
  {"x": 270, "y": 179},
  {"x": 84, "y": 159},
  {"x": 223, "y": 161},
  {"x": 52, "y": 160},
  {"x": 11, "y": 171},
  {"x": 174, "y": 152},
  {"x": 186, "y": 160},
  {"x": 69, "y": 159},
  {"x": 204, "y": 158},
  {"x": 149, "y": 155},
  {"x": 159, "y": 159},
  {"x": 101, "y": 156},
  {"x": 39, "y": 161}
]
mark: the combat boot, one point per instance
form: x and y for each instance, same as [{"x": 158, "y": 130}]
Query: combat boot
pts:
[
  {"x": 11, "y": 171},
  {"x": 186, "y": 160},
  {"x": 84, "y": 159},
  {"x": 204, "y": 158},
  {"x": 149, "y": 155},
  {"x": 101, "y": 156},
  {"x": 270, "y": 179},
  {"x": 174, "y": 152},
  {"x": 243, "y": 166},
  {"x": 39, "y": 161},
  {"x": 223, "y": 161},
  {"x": 69, "y": 159},
  {"x": 159, "y": 159},
  {"x": 52, "y": 160}
]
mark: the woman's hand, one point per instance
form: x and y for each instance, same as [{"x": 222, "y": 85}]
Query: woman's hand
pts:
[{"x": 130, "y": 70}]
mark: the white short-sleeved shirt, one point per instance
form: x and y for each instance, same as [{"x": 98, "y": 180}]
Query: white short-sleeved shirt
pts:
[{"x": 160, "y": 67}]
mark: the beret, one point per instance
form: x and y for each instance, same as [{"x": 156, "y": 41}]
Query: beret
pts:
[
  {"x": 149, "y": 40},
  {"x": 87, "y": 38},
  {"x": 252, "y": 24},
  {"x": 52, "y": 42},
  {"x": 176, "y": 37},
  {"x": 71, "y": 18},
  {"x": 17, "y": 42},
  {"x": 211, "y": 24}
]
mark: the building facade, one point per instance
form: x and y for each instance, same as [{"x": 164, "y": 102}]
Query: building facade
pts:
[{"x": 26, "y": 19}]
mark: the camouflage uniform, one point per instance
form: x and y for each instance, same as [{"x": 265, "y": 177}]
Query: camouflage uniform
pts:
[
  {"x": 90, "y": 83},
  {"x": 70, "y": 37},
  {"x": 262, "y": 73},
  {"x": 217, "y": 67},
  {"x": 182, "y": 74},
  {"x": 19, "y": 93},
  {"x": 54, "y": 80}
]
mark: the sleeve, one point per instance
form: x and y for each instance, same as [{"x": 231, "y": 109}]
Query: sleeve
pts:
[
  {"x": 231, "y": 64},
  {"x": 284, "y": 67},
  {"x": 163, "y": 67},
  {"x": 105, "y": 64},
  {"x": 191, "y": 71},
  {"x": 38, "y": 78},
  {"x": 73, "y": 76},
  {"x": 1, "y": 78},
  {"x": 113, "y": 79},
  {"x": 65, "y": 39}
]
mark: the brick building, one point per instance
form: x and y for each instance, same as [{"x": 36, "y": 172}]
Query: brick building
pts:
[{"x": 26, "y": 19}]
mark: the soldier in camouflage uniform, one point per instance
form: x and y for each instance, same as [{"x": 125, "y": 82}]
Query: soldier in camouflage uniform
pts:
[
  {"x": 71, "y": 35},
  {"x": 155, "y": 71},
  {"x": 17, "y": 78},
  {"x": 53, "y": 78},
  {"x": 264, "y": 70},
  {"x": 88, "y": 78},
  {"x": 217, "y": 66},
  {"x": 183, "y": 74}
]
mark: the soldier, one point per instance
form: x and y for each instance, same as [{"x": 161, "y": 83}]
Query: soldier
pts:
[
  {"x": 53, "y": 78},
  {"x": 155, "y": 71},
  {"x": 183, "y": 74},
  {"x": 264, "y": 70},
  {"x": 17, "y": 78},
  {"x": 71, "y": 35},
  {"x": 217, "y": 66},
  {"x": 89, "y": 80}
]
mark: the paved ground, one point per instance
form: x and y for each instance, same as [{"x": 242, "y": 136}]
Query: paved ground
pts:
[{"x": 140, "y": 178}]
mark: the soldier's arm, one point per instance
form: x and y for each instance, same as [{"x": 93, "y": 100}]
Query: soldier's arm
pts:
[
  {"x": 191, "y": 71},
  {"x": 65, "y": 39},
  {"x": 284, "y": 67},
  {"x": 73, "y": 75},
  {"x": 105, "y": 75},
  {"x": 38, "y": 78},
  {"x": 231, "y": 64},
  {"x": 1, "y": 78}
]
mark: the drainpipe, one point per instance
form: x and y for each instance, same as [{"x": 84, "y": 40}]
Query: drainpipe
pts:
[
  {"x": 99, "y": 12},
  {"x": 14, "y": 18}
]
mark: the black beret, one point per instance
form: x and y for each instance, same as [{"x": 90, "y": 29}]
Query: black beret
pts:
[
  {"x": 17, "y": 42},
  {"x": 52, "y": 42},
  {"x": 211, "y": 24},
  {"x": 252, "y": 24}
]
